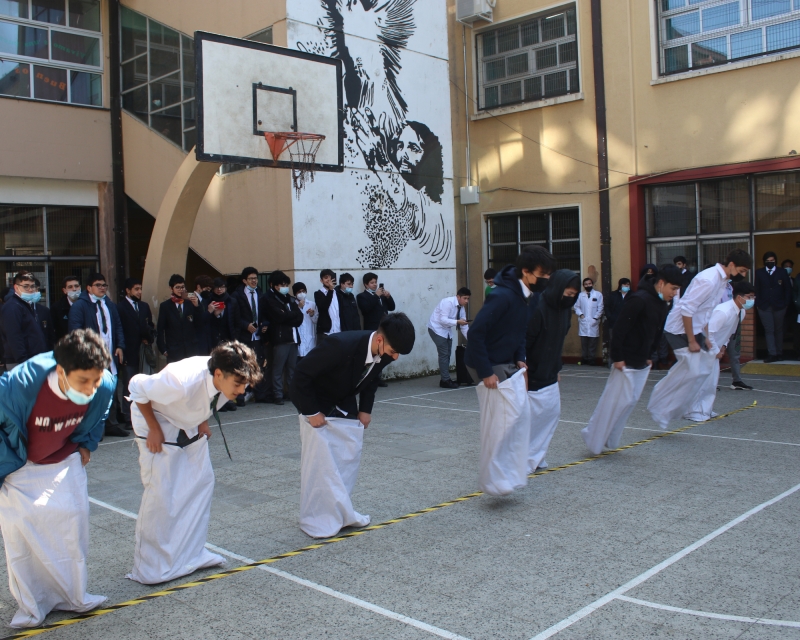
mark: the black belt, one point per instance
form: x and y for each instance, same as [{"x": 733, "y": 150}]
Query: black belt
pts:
[{"x": 183, "y": 440}]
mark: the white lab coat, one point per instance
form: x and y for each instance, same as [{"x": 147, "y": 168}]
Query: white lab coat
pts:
[
  {"x": 590, "y": 306},
  {"x": 308, "y": 330}
]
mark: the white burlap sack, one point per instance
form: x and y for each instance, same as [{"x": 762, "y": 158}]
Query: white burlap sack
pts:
[
  {"x": 505, "y": 431},
  {"x": 677, "y": 392},
  {"x": 622, "y": 392},
  {"x": 545, "y": 411},
  {"x": 44, "y": 516},
  {"x": 329, "y": 462},
  {"x": 703, "y": 406},
  {"x": 173, "y": 517}
]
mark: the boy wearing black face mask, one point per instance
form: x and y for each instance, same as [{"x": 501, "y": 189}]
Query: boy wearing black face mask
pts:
[{"x": 773, "y": 296}]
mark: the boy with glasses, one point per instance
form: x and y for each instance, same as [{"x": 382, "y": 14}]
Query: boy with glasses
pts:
[{"x": 23, "y": 337}]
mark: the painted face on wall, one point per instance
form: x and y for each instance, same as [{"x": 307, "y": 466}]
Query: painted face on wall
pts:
[{"x": 408, "y": 150}]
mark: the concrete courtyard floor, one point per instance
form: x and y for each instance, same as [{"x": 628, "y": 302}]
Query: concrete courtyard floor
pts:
[{"x": 691, "y": 535}]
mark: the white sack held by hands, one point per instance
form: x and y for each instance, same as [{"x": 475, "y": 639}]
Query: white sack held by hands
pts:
[
  {"x": 678, "y": 391},
  {"x": 702, "y": 408},
  {"x": 329, "y": 462},
  {"x": 44, "y": 516},
  {"x": 173, "y": 518},
  {"x": 622, "y": 392},
  {"x": 545, "y": 411},
  {"x": 505, "y": 432}
]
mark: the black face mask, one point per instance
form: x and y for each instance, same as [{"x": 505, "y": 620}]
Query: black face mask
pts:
[
  {"x": 769, "y": 265},
  {"x": 737, "y": 278},
  {"x": 588, "y": 289},
  {"x": 539, "y": 286},
  {"x": 567, "y": 302}
]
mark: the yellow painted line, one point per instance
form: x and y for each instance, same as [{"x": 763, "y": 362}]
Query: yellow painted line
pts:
[
  {"x": 764, "y": 406},
  {"x": 29, "y": 633},
  {"x": 772, "y": 369}
]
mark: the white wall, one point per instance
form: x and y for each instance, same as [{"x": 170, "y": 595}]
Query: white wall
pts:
[{"x": 383, "y": 216}]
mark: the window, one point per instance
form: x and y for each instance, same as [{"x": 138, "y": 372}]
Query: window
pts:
[
  {"x": 157, "y": 77},
  {"x": 694, "y": 34},
  {"x": 51, "y": 50},
  {"x": 52, "y": 242},
  {"x": 533, "y": 59},
  {"x": 558, "y": 231}
]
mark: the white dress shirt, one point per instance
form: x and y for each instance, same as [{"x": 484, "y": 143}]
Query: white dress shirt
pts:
[
  {"x": 181, "y": 395},
  {"x": 333, "y": 312},
  {"x": 247, "y": 292},
  {"x": 106, "y": 335},
  {"x": 722, "y": 325},
  {"x": 702, "y": 295},
  {"x": 445, "y": 316},
  {"x": 308, "y": 330}
]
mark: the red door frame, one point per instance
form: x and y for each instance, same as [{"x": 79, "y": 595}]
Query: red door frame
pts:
[{"x": 637, "y": 201}]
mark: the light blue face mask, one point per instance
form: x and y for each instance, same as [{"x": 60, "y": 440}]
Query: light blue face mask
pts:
[
  {"x": 284, "y": 291},
  {"x": 661, "y": 295},
  {"x": 76, "y": 396},
  {"x": 31, "y": 298},
  {"x": 349, "y": 290},
  {"x": 625, "y": 289},
  {"x": 749, "y": 304},
  {"x": 251, "y": 289}
]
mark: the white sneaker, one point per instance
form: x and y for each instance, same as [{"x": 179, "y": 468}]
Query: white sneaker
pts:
[{"x": 542, "y": 465}]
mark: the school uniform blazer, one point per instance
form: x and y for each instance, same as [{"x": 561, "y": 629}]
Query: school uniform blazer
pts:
[
  {"x": 176, "y": 335},
  {"x": 373, "y": 308},
  {"x": 137, "y": 327},
  {"x": 244, "y": 317},
  {"x": 45, "y": 319},
  {"x": 83, "y": 315},
  {"x": 323, "y": 302},
  {"x": 23, "y": 337},
  {"x": 328, "y": 377}
]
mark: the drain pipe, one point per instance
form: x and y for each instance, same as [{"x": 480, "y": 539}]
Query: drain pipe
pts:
[
  {"x": 602, "y": 151},
  {"x": 469, "y": 166}
]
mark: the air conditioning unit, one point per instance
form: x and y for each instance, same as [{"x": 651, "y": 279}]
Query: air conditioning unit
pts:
[{"x": 469, "y": 11}]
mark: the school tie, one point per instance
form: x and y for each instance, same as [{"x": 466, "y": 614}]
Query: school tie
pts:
[
  {"x": 102, "y": 316},
  {"x": 136, "y": 306},
  {"x": 253, "y": 307},
  {"x": 219, "y": 423}
]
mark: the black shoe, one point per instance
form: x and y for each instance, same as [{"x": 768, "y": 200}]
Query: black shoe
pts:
[
  {"x": 448, "y": 384},
  {"x": 468, "y": 384},
  {"x": 771, "y": 359},
  {"x": 116, "y": 430},
  {"x": 240, "y": 401},
  {"x": 127, "y": 426},
  {"x": 230, "y": 406},
  {"x": 741, "y": 386},
  {"x": 381, "y": 383},
  {"x": 278, "y": 401}
]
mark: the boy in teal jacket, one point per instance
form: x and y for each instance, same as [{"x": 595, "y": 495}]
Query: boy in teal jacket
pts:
[{"x": 53, "y": 409}]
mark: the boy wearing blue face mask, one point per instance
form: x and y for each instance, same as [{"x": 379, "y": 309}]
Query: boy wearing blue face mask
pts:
[
  {"x": 52, "y": 411},
  {"x": 283, "y": 334},
  {"x": 23, "y": 337}
]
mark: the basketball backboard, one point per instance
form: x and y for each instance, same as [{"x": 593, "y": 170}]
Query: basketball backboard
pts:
[{"x": 247, "y": 88}]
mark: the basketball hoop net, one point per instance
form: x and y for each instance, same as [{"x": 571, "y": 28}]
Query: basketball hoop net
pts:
[{"x": 302, "y": 148}]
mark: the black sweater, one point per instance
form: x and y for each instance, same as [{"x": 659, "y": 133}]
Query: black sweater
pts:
[
  {"x": 547, "y": 330},
  {"x": 639, "y": 326}
]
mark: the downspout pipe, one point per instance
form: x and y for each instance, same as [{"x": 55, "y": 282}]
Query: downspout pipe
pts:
[
  {"x": 117, "y": 166},
  {"x": 602, "y": 151},
  {"x": 468, "y": 159}
]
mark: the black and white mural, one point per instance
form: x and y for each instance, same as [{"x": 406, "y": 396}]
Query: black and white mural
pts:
[{"x": 397, "y": 124}]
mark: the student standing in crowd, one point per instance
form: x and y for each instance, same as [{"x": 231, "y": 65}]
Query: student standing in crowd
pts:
[
  {"x": 374, "y": 302},
  {"x": 684, "y": 329},
  {"x": 179, "y": 320},
  {"x": 44, "y": 318},
  {"x": 170, "y": 412},
  {"x": 23, "y": 337},
  {"x": 308, "y": 330},
  {"x": 251, "y": 330},
  {"x": 284, "y": 317},
  {"x": 773, "y": 295},
  {"x": 327, "y": 303},
  {"x": 589, "y": 309},
  {"x": 637, "y": 333},
  {"x": 449, "y": 313},
  {"x": 348, "y": 307},
  {"x": 613, "y": 305},
  {"x": 545, "y": 337},
  {"x": 71, "y": 288},
  {"x": 223, "y": 313},
  {"x": 488, "y": 279},
  {"x": 93, "y": 310},
  {"x": 203, "y": 285},
  {"x": 683, "y": 266},
  {"x": 53, "y": 407},
  {"x": 137, "y": 327},
  {"x": 334, "y": 390}
]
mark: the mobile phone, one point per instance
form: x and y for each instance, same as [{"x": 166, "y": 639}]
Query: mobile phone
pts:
[{"x": 380, "y": 286}]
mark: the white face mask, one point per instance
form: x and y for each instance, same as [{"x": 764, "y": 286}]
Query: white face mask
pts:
[
  {"x": 73, "y": 295},
  {"x": 301, "y": 296}
]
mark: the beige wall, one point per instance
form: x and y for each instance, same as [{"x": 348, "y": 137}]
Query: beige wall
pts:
[{"x": 46, "y": 140}]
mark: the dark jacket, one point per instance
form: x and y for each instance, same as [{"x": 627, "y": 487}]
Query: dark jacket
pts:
[
  {"x": 349, "y": 318},
  {"x": 639, "y": 327},
  {"x": 687, "y": 279},
  {"x": 328, "y": 377},
  {"x": 244, "y": 315},
  {"x": 547, "y": 330},
  {"x": 323, "y": 301},
  {"x": 613, "y": 305},
  {"x": 773, "y": 291},
  {"x": 177, "y": 335},
  {"x": 137, "y": 328},
  {"x": 224, "y": 327},
  {"x": 284, "y": 317},
  {"x": 497, "y": 335},
  {"x": 23, "y": 337},
  {"x": 60, "y": 313},
  {"x": 83, "y": 315},
  {"x": 373, "y": 308},
  {"x": 45, "y": 320}
]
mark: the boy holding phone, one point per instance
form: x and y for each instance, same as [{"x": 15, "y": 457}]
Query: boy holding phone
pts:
[{"x": 179, "y": 319}]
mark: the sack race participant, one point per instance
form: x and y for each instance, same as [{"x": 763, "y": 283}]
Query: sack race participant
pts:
[
  {"x": 637, "y": 333},
  {"x": 495, "y": 353},
  {"x": 332, "y": 419},
  {"x": 52, "y": 415},
  {"x": 686, "y": 330},
  {"x": 544, "y": 343},
  {"x": 170, "y": 412},
  {"x": 726, "y": 317}
]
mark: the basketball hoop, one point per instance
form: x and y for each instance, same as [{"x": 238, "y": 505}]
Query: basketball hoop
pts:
[{"x": 302, "y": 148}]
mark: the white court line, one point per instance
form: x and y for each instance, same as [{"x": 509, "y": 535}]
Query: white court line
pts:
[
  {"x": 422, "y": 406},
  {"x": 616, "y": 593},
  {"x": 399, "y": 617},
  {"x": 705, "y": 435},
  {"x": 706, "y": 614},
  {"x": 780, "y": 393},
  {"x": 432, "y": 393}
]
